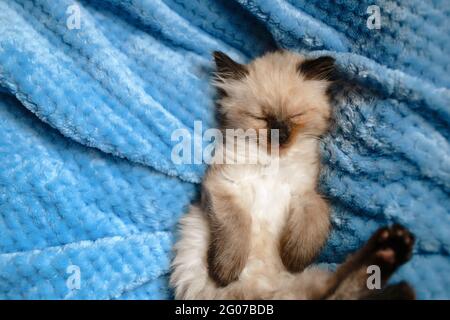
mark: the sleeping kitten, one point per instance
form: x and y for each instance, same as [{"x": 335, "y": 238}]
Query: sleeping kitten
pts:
[{"x": 257, "y": 229}]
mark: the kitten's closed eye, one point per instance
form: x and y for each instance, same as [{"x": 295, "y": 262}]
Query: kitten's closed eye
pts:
[
  {"x": 297, "y": 115},
  {"x": 256, "y": 116}
]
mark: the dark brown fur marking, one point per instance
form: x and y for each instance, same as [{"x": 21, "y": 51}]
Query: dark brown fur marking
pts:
[
  {"x": 318, "y": 69},
  {"x": 229, "y": 244},
  {"x": 388, "y": 248},
  {"x": 305, "y": 232},
  {"x": 399, "y": 291},
  {"x": 227, "y": 68}
]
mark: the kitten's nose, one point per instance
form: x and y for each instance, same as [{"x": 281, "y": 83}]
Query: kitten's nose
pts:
[{"x": 283, "y": 130}]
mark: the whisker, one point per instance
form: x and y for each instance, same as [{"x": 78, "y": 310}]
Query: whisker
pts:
[{"x": 307, "y": 135}]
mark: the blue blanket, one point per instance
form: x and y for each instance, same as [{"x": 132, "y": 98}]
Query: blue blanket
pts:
[{"x": 91, "y": 91}]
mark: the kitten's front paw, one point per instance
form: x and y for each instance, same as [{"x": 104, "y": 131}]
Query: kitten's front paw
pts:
[
  {"x": 392, "y": 246},
  {"x": 224, "y": 267},
  {"x": 293, "y": 257}
]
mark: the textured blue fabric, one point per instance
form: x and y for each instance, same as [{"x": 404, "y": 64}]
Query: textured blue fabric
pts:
[{"x": 86, "y": 117}]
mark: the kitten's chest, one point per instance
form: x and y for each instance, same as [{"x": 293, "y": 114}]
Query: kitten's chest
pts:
[
  {"x": 272, "y": 192},
  {"x": 271, "y": 199}
]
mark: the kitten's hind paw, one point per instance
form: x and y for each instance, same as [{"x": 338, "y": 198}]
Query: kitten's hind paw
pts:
[{"x": 391, "y": 246}]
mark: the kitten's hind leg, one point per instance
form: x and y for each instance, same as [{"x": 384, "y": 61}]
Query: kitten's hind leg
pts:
[
  {"x": 387, "y": 249},
  {"x": 398, "y": 291}
]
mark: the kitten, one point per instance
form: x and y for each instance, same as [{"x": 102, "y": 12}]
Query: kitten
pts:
[{"x": 257, "y": 229}]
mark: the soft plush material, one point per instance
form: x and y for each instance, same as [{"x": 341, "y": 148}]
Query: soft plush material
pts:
[{"x": 88, "y": 191}]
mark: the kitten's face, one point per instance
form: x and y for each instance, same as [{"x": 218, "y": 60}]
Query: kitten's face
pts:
[{"x": 280, "y": 90}]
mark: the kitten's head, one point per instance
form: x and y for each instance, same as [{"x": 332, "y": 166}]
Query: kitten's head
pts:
[{"x": 280, "y": 90}]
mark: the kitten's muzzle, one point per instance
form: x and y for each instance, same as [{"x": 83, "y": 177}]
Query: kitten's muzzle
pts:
[{"x": 284, "y": 131}]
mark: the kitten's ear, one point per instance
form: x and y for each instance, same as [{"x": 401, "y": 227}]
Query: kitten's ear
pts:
[
  {"x": 322, "y": 68},
  {"x": 227, "y": 68}
]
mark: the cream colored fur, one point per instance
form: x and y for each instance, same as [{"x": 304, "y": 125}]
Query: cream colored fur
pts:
[
  {"x": 266, "y": 196},
  {"x": 274, "y": 85}
]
